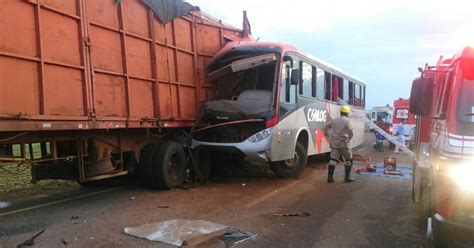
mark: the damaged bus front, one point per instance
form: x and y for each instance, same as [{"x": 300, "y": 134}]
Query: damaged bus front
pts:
[
  {"x": 257, "y": 112},
  {"x": 239, "y": 120}
]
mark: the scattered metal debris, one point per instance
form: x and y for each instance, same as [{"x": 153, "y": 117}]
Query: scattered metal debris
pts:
[
  {"x": 30, "y": 241},
  {"x": 4, "y": 204},
  {"x": 300, "y": 214},
  {"x": 164, "y": 206},
  {"x": 235, "y": 236},
  {"x": 190, "y": 233},
  {"x": 74, "y": 217}
]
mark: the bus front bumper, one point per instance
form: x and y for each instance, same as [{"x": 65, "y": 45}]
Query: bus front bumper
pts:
[{"x": 255, "y": 152}]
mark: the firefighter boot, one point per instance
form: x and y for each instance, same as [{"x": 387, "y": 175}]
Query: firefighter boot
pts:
[
  {"x": 331, "y": 173},
  {"x": 348, "y": 177}
]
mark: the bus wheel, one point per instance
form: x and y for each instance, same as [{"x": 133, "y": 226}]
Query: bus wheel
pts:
[
  {"x": 291, "y": 167},
  {"x": 169, "y": 166}
]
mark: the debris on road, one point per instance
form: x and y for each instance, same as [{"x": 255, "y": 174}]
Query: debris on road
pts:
[
  {"x": 74, "y": 217},
  {"x": 30, "y": 241},
  {"x": 64, "y": 242},
  {"x": 163, "y": 206},
  {"x": 381, "y": 171},
  {"x": 361, "y": 158},
  {"x": 368, "y": 168},
  {"x": 191, "y": 233},
  {"x": 301, "y": 214},
  {"x": 132, "y": 198},
  {"x": 390, "y": 164},
  {"x": 4, "y": 204},
  {"x": 236, "y": 236}
]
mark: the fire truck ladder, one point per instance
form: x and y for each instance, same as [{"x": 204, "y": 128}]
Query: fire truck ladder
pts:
[{"x": 389, "y": 137}]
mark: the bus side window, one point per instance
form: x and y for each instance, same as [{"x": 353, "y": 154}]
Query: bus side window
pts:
[
  {"x": 285, "y": 81},
  {"x": 357, "y": 96},
  {"x": 337, "y": 88},
  {"x": 306, "y": 83},
  {"x": 363, "y": 96},
  {"x": 351, "y": 93},
  {"x": 346, "y": 91},
  {"x": 320, "y": 85},
  {"x": 328, "y": 84}
]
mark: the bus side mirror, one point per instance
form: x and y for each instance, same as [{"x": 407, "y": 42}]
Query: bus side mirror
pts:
[
  {"x": 421, "y": 96},
  {"x": 295, "y": 76}
]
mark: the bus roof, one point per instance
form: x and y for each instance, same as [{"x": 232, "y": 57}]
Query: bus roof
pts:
[{"x": 283, "y": 48}]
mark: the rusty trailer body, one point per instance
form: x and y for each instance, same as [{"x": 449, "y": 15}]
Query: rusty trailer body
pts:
[{"x": 94, "y": 81}]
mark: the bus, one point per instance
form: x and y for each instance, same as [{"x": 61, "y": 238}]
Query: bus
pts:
[{"x": 270, "y": 104}]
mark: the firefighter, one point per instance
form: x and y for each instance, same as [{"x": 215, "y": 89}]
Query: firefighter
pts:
[
  {"x": 340, "y": 133},
  {"x": 400, "y": 133}
]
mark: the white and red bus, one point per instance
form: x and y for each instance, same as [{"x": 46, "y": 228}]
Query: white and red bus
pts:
[{"x": 271, "y": 102}]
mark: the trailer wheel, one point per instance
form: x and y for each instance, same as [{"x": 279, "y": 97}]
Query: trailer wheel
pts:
[
  {"x": 146, "y": 163},
  {"x": 291, "y": 167},
  {"x": 169, "y": 166}
]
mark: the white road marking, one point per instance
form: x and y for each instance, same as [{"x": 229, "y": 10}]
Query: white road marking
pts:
[
  {"x": 58, "y": 201},
  {"x": 269, "y": 195},
  {"x": 361, "y": 149}
]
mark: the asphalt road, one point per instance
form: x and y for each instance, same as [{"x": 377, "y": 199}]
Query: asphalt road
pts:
[{"x": 370, "y": 212}]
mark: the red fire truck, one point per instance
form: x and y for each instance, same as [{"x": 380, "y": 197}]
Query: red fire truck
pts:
[
  {"x": 401, "y": 112},
  {"x": 443, "y": 171}
]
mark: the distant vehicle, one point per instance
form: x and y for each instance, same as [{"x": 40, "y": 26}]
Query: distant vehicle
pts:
[
  {"x": 382, "y": 117},
  {"x": 383, "y": 112},
  {"x": 402, "y": 112},
  {"x": 272, "y": 101},
  {"x": 443, "y": 171}
]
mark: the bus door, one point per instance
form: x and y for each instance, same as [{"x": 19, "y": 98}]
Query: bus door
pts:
[{"x": 284, "y": 132}]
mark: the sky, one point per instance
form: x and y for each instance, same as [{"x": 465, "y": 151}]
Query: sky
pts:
[{"x": 378, "y": 41}]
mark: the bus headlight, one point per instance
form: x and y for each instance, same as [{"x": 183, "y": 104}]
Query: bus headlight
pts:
[
  {"x": 260, "y": 136},
  {"x": 463, "y": 175}
]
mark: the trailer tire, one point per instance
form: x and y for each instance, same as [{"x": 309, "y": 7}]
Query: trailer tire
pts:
[
  {"x": 169, "y": 166},
  {"x": 145, "y": 166},
  {"x": 282, "y": 169}
]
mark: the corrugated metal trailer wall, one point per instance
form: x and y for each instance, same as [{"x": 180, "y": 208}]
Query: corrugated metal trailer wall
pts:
[
  {"x": 86, "y": 81},
  {"x": 83, "y": 64}
]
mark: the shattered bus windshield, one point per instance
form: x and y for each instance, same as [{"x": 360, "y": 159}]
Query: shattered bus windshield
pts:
[{"x": 248, "y": 81}]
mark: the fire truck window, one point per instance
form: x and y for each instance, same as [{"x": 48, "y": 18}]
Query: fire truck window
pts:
[
  {"x": 306, "y": 85},
  {"x": 328, "y": 88},
  {"x": 320, "y": 86},
  {"x": 466, "y": 101}
]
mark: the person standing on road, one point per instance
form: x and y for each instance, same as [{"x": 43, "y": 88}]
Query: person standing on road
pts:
[
  {"x": 340, "y": 133},
  {"x": 400, "y": 135}
]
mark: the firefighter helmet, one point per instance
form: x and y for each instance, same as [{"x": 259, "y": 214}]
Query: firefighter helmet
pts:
[{"x": 345, "y": 109}]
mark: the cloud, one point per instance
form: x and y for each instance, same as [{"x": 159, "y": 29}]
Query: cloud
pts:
[{"x": 382, "y": 42}]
